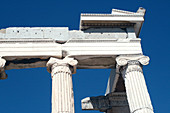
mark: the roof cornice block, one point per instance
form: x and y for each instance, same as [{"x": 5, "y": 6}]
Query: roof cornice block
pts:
[{"x": 124, "y": 18}]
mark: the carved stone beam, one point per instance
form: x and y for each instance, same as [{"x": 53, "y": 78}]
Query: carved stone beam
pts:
[
  {"x": 3, "y": 75},
  {"x": 62, "y": 88},
  {"x": 104, "y": 103},
  {"x": 137, "y": 93}
]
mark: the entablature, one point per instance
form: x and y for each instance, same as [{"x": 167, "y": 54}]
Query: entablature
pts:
[{"x": 101, "y": 37}]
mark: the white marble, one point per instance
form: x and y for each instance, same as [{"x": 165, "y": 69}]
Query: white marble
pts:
[
  {"x": 116, "y": 34},
  {"x": 62, "y": 87},
  {"x": 13, "y": 48},
  {"x": 3, "y": 75},
  {"x": 57, "y": 33},
  {"x": 77, "y": 47},
  {"x": 136, "y": 90},
  {"x": 112, "y": 81},
  {"x": 117, "y": 18},
  {"x": 86, "y": 48},
  {"x": 101, "y": 38}
]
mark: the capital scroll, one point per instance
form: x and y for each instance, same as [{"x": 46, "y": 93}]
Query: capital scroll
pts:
[
  {"x": 59, "y": 62},
  {"x": 123, "y": 60}
]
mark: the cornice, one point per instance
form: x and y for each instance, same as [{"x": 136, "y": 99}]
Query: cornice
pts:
[
  {"x": 113, "y": 15},
  {"x": 122, "y": 11},
  {"x": 118, "y": 12},
  {"x": 99, "y": 40},
  {"x": 23, "y": 40}
]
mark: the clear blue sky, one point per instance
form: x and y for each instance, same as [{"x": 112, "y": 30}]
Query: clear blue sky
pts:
[{"x": 29, "y": 90}]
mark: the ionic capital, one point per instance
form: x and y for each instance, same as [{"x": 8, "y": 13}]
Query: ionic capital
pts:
[
  {"x": 135, "y": 59},
  {"x": 66, "y": 62}
]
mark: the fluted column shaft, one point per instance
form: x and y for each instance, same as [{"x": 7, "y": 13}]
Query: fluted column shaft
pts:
[
  {"x": 62, "y": 88},
  {"x": 137, "y": 93}
]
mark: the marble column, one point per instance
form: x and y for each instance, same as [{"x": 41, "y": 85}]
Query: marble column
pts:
[
  {"x": 136, "y": 90},
  {"x": 3, "y": 75},
  {"x": 62, "y": 88}
]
